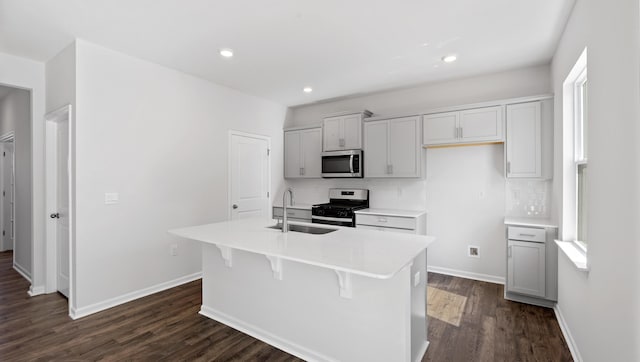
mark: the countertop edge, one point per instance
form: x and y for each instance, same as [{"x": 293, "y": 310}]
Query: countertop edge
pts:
[
  {"x": 176, "y": 232},
  {"x": 532, "y": 222}
]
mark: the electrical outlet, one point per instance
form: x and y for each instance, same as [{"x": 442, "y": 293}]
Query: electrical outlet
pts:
[
  {"x": 173, "y": 249},
  {"x": 111, "y": 198},
  {"x": 473, "y": 251}
]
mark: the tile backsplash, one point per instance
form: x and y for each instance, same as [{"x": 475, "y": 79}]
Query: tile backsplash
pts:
[{"x": 528, "y": 198}]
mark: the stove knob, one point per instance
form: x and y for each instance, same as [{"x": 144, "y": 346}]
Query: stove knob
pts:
[
  {"x": 342, "y": 214},
  {"x": 319, "y": 212}
]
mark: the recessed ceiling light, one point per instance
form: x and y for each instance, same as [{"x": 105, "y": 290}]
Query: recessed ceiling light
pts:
[
  {"x": 226, "y": 52},
  {"x": 307, "y": 89},
  {"x": 449, "y": 58}
]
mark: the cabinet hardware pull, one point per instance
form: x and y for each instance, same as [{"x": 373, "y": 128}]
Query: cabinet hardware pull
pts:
[
  {"x": 389, "y": 169},
  {"x": 351, "y": 164},
  {"x": 530, "y": 235},
  {"x": 508, "y": 167},
  {"x": 382, "y": 219},
  {"x": 509, "y": 250},
  {"x": 461, "y": 132}
]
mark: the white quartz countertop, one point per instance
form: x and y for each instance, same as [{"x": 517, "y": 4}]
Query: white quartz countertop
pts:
[
  {"x": 295, "y": 206},
  {"x": 370, "y": 253},
  {"x": 391, "y": 212},
  {"x": 530, "y": 221}
]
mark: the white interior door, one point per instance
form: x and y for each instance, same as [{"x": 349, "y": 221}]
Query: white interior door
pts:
[
  {"x": 61, "y": 215},
  {"x": 249, "y": 181},
  {"x": 8, "y": 197}
]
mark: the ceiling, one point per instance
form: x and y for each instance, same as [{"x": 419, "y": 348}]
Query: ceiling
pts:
[{"x": 337, "y": 47}]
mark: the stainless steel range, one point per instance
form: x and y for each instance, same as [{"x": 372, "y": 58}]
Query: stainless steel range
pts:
[{"x": 341, "y": 206}]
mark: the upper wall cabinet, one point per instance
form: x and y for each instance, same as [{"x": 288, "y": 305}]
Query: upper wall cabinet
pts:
[
  {"x": 302, "y": 153},
  {"x": 392, "y": 148},
  {"x": 343, "y": 132},
  {"x": 528, "y": 143},
  {"x": 468, "y": 126}
]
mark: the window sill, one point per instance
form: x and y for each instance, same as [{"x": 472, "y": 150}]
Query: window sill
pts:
[{"x": 575, "y": 254}]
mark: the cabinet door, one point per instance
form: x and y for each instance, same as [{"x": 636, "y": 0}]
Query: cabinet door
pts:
[
  {"x": 352, "y": 132},
  {"x": 311, "y": 150},
  {"x": 332, "y": 134},
  {"x": 292, "y": 159},
  {"x": 376, "y": 149},
  {"x": 440, "y": 128},
  {"x": 526, "y": 268},
  {"x": 524, "y": 144},
  {"x": 481, "y": 124},
  {"x": 404, "y": 147}
]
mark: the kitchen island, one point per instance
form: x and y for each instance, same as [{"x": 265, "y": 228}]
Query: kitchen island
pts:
[{"x": 347, "y": 295}]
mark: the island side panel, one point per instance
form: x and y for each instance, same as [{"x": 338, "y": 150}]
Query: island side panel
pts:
[
  {"x": 419, "y": 320},
  {"x": 304, "y": 314}
]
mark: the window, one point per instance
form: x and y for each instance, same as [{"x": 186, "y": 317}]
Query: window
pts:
[{"x": 580, "y": 156}]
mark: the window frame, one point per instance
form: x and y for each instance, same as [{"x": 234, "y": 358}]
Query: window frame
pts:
[{"x": 580, "y": 152}]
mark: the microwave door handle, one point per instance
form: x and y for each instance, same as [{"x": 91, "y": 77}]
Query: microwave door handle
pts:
[{"x": 351, "y": 164}]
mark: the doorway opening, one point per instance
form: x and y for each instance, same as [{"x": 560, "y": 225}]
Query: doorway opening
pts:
[
  {"x": 16, "y": 186},
  {"x": 7, "y": 199}
]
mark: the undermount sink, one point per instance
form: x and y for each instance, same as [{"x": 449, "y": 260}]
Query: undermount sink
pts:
[{"x": 304, "y": 229}]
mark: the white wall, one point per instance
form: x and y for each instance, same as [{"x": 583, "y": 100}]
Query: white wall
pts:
[
  {"x": 600, "y": 308},
  {"x": 509, "y": 84},
  {"x": 28, "y": 74},
  {"x": 157, "y": 137},
  {"x": 15, "y": 116},
  {"x": 455, "y": 177}
]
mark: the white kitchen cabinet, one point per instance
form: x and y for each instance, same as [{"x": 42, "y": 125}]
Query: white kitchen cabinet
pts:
[
  {"x": 302, "y": 153},
  {"x": 467, "y": 126},
  {"x": 523, "y": 143},
  {"x": 529, "y": 141},
  {"x": 401, "y": 221},
  {"x": 392, "y": 147},
  {"x": 526, "y": 266},
  {"x": 343, "y": 132}
]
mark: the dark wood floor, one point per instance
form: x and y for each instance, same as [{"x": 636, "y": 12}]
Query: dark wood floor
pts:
[{"x": 167, "y": 326}]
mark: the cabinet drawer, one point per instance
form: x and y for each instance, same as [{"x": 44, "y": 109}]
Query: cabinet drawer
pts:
[
  {"x": 386, "y": 221},
  {"x": 526, "y": 234},
  {"x": 380, "y": 228},
  {"x": 292, "y": 213}
]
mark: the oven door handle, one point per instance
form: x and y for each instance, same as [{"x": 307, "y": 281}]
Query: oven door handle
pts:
[
  {"x": 351, "y": 164},
  {"x": 326, "y": 218}
]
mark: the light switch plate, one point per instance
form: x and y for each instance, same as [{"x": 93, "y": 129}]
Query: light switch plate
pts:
[
  {"x": 416, "y": 279},
  {"x": 111, "y": 198}
]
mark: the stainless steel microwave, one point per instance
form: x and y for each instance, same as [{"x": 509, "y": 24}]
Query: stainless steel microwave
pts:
[{"x": 342, "y": 164}]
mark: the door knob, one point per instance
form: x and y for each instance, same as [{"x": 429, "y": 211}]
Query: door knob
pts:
[
  {"x": 55, "y": 215},
  {"x": 235, "y": 206}
]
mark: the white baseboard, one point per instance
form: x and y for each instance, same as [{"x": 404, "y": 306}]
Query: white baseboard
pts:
[
  {"x": 571, "y": 343},
  {"x": 467, "y": 275},
  {"x": 22, "y": 271},
  {"x": 269, "y": 338},
  {"x": 423, "y": 350},
  {"x": 76, "y": 313},
  {"x": 36, "y": 290}
]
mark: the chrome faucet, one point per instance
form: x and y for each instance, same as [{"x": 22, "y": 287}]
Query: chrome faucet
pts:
[{"x": 285, "y": 222}]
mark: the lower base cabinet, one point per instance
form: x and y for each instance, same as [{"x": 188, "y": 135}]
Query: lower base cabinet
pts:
[{"x": 532, "y": 265}]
